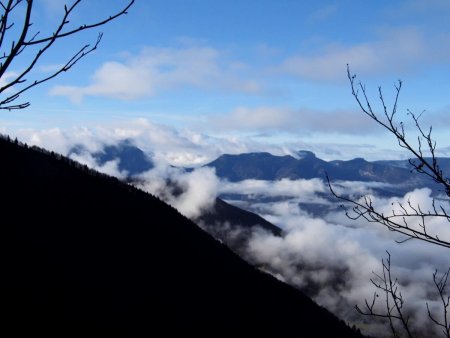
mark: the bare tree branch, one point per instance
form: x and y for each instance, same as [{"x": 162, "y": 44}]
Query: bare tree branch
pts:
[
  {"x": 420, "y": 163},
  {"x": 58, "y": 35},
  {"x": 398, "y": 220},
  {"x": 393, "y": 301},
  {"x": 441, "y": 284},
  {"x": 8, "y": 55},
  {"x": 407, "y": 218}
]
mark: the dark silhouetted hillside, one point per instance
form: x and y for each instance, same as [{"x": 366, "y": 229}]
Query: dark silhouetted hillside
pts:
[
  {"x": 234, "y": 226},
  {"x": 223, "y": 212},
  {"x": 87, "y": 256}
]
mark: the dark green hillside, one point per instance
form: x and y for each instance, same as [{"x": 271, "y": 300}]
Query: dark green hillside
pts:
[{"x": 87, "y": 256}]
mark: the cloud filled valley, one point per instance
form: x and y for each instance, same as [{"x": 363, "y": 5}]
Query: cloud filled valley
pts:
[{"x": 320, "y": 250}]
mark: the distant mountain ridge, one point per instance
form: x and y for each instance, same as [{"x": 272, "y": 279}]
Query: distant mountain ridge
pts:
[
  {"x": 265, "y": 166},
  {"x": 131, "y": 159}
]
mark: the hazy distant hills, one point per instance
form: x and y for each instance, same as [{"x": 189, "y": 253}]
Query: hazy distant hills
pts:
[
  {"x": 265, "y": 166},
  {"x": 444, "y": 164},
  {"x": 86, "y": 255},
  {"x": 131, "y": 159}
]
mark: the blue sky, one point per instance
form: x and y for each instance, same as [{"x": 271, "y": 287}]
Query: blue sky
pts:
[{"x": 264, "y": 72}]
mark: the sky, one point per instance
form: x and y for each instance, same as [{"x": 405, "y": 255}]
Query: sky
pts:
[{"x": 265, "y": 74}]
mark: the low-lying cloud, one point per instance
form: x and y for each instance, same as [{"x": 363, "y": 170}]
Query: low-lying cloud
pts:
[
  {"x": 191, "y": 193},
  {"x": 332, "y": 257}
]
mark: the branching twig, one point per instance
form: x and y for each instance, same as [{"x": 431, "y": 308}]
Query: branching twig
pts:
[
  {"x": 419, "y": 162},
  {"x": 393, "y": 300},
  {"x": 406, "y": 218},
  {"x": 402, "y": 220},
  {"x": 441, "y": 284},
  {"x": 8, "y": 55},
  {"x": 398, "y": 220}
]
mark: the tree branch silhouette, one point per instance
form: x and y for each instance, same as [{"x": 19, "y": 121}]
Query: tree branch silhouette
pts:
[
  {"x": 19, "y": 82},
  {"x": 408, "y": 218}
]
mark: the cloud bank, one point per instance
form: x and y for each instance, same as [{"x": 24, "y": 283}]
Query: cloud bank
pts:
[
  {"x": 183, "y": 147},
  {"x": 332, "y": 258}
]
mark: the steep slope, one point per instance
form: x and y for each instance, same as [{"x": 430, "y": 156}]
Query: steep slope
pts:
[
  {"x": 85, "y": 255},
  {"x": 234, "y": 226},
  {"x": 223, "y": 212},
  {"x": 134, "y": 161}
]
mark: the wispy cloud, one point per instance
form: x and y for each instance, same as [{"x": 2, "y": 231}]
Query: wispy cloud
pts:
[
  {"x": 155, "y": 70},
  {"x": 396, "y": 50},
  {"x": 54, "y": 6},
  {"x": 425, "y": 8},
  {"x": 323, "y": 13},
  {"x": 281, "y": 119},
  {"x": 7, "y": 78}
]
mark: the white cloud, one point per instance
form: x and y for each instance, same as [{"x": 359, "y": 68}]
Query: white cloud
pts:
[
  {"x": 7, "y": 78},
  {"x": 333, "y": 262},
  {"x": 332, "y": 257},
  {"x": 155, "y": 70},
  {"x": 51, "y": 68},
  {"x": 54, "y": 6},
  {"x": 199, "y": 192},
  {"x": 109, "y": 168},
  {"x": 191, "y": 193},
  {"x": 280, "y": 119},
  {"x": 324, "y": 13},
  {"x": 396, "y": 50},
  {"x": 425, "y": 8},
  {"x": 282, "y": 188}
]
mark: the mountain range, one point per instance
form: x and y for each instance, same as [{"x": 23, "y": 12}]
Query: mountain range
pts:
[{"x": 265, "y": 166}]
